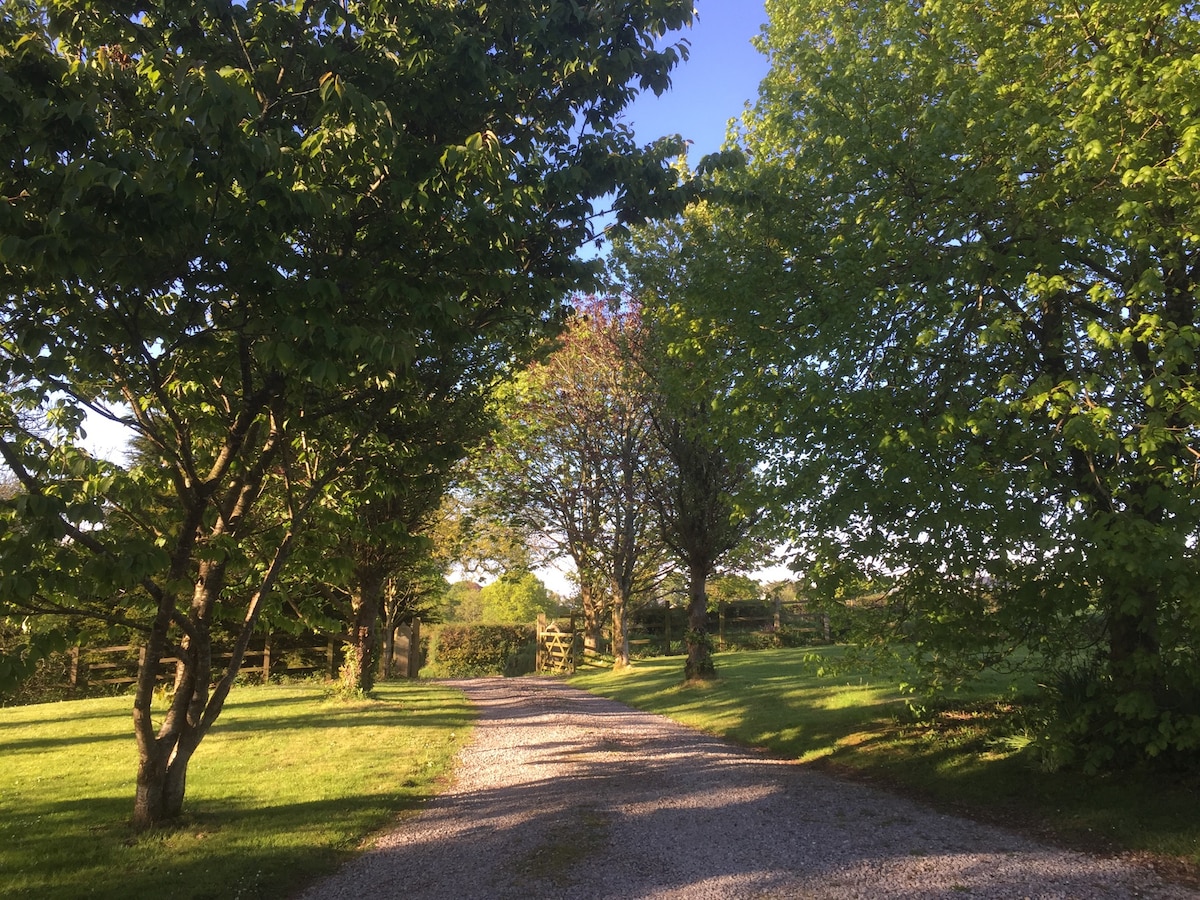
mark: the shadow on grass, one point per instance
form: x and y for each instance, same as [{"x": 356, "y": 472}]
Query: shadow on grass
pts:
[
  {"x": 56, "y": 844},
  {"x": 335, "y": 715},
  {"x": 209, "y": 853},
  {"x": 752, "y": 704},
  {"x": 244, "y": 715},
  {"x": 45, "y": 744}
]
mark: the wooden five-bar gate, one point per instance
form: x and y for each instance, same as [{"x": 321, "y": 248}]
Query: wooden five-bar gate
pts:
[{"x": 557, "y": 645}]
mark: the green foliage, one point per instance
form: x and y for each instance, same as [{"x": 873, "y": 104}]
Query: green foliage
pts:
[
  {"x": 791, "y": 636},
  {"x": 515, "y": 598},
  {"x": 24, "y": 651},
  {"x": 1100, "y": 725},
  {"x": 473, "y": 651},
  {"x": 732, "y": 589},
  {"x": 290, "y": 248},
  {"x": 348, "y": 685},
  {"x": 463, "y": 603},
  {"x": 959, "y": 269}
]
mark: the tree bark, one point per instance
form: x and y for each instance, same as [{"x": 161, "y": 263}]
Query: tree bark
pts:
[
  {"x": 389, "y": 651},
  {"x": 699, "y": 665},
  {"x": 1134, "y": 651},
  {"x": 592, "y": 628},
  {"x": 368, "y": 596},
  {"x": 620, "y": 634}
]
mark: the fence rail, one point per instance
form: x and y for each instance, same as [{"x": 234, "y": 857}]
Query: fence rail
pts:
[
  {"x": 730, "y": 623},
  {"x": 557, "y": 646},
  {"x": 118, "y": 665}
]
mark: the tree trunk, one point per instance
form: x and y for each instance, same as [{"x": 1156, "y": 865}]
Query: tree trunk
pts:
[
  {"x": 620, "y": 634},
  {"x": 699, "y": 665},
  {"x": 389, "y": 651},
  {"x": 1134, "y": 651},
  {"x": 162, "y": 776},
  {"x": 148, "y": 803},
  {"x": 363, "y": 661},
  {"x": 391, "y": 621},
  {"x": 592, "y": 628},
  {"x": 1132, "y": 626},
  {"x": 163, "y": 756}
]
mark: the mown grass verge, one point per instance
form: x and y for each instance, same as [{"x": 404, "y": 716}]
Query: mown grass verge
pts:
[
  {"x": 967, "y": 756},
  {"x": 286, "y": 787}
]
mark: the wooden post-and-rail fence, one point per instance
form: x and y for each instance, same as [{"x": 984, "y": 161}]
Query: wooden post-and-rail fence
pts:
[{"x": 118, "y": 665}]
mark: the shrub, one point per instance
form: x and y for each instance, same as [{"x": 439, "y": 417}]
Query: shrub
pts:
[
  {"x": 752, "y": 640},
  {"x": 472, "y": 651}
]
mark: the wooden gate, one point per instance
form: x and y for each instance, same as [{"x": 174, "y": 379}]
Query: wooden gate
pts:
[
  {"x": 556, "y": 646},
  {"x": 401, "y": 657}
]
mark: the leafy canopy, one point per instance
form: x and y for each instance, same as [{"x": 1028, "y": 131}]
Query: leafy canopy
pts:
[
  {"x": 253, "y": 234},
  {"x": 966, "y": 246}
]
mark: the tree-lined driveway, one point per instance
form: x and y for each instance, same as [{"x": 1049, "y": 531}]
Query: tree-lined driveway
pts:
[{"x": 562, "y": 794}]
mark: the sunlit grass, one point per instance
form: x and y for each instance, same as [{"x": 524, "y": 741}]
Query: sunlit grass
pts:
[
  {"x": 287, "y": 786},
  {"x": 967, "y": 756}
]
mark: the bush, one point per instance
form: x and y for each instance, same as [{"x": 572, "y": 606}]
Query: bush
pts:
[
  {"x": 792, "y": 636},
  {"x": 1101, "y": 725},
  {"x": 646, "y": 646},
  {"x": 752, "y": 640},
  {"x": 50, "y": 681},
  {"x": 472, "y": 651}
]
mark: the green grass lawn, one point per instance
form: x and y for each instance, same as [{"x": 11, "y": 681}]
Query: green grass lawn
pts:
[
  {"x": 959, "y": 760},
  {"x": 285, "y": 788}
]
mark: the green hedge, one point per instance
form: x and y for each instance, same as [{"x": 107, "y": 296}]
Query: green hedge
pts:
[{"x": 473, "y": 651}]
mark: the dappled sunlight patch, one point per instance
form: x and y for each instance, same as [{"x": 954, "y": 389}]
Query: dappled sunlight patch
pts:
[
  {"x": 859, "y": 739},
  {"x": 856, "y": 696}
]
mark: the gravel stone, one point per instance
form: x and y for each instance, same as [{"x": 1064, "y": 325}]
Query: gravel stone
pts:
[{"x": 565, "y": 795}]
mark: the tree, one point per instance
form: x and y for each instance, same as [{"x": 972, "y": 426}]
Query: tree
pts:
[
  {"x": 572, "y": 465},
  {"x": 984, "y": 221},
  {"x": 700, "y": 519},
  {"x": 391, "y": 496},
  {"x": 516, "y": 598},
  {"x": 709, "y": 421},
  {"x": 463, "y": 603},
  {"x": 236, "y": 229},
  {"x": 469, "y": 535},
  {"x": 734, "y": 588}
]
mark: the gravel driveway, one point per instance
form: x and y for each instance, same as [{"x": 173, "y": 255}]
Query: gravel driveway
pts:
[{"x": 565, "y": 795}]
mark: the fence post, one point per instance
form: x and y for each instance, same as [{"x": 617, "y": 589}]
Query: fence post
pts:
[
  {"x": 778, "y": 613},
  {"x": 266, "y": 668},
  {"x": 721, "y": 625},
  {"x": 539, "y": 660},
  {"x": 414, "y": 648}
]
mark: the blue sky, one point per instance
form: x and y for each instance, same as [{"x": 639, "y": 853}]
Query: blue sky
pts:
[{"x": 713, "y": 86}]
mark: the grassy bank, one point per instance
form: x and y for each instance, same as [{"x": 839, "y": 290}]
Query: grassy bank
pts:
[
  {"x": 285, "y": 788},
  {"x": 966, "y": 758}
]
